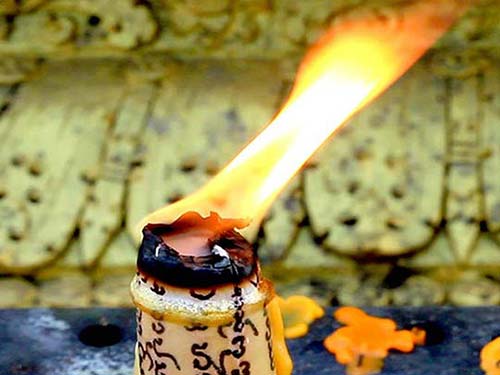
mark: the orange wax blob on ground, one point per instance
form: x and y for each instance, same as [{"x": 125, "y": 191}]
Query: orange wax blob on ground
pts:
[
  {"x": 366, "y": 340},
  {"x": 419, "y": 335},
  {"x": 298, "y": 313},
  {"x": 490, "y": 357}
]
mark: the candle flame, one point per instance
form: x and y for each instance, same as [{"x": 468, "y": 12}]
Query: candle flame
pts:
[{"x": 349, "y": 66}]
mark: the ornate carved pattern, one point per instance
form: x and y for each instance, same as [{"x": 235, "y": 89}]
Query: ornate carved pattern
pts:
[
  {"x": 47, "y": 28},
  {"x": 239, "y": 28},
  {"x": 78, "y": 24},
  {"x": 374, "y": 190},
  {"x": 43, "y": 168},
  {"x": 362, "y": 198}
]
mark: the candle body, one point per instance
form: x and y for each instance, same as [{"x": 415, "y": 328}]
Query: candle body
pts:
[{"x": 225, "y": 330}]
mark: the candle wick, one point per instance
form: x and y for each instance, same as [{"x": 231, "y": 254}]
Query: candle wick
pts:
[
  {"x": 218, "y": 250},
  {"x": 157, "y": 250}
]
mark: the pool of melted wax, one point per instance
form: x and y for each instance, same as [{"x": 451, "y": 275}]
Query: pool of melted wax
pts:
[
  {"x": 190, "y": 234},
  {"x": 45, "y": 341}
]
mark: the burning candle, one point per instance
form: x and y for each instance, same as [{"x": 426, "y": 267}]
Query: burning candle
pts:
[{"x": 203, "y": 306}]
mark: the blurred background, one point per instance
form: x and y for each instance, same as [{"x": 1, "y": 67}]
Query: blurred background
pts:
[{"x": 110, "y": 109}]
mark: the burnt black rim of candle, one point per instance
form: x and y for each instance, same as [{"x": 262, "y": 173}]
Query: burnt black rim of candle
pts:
[{"x": 237, "y": 262}]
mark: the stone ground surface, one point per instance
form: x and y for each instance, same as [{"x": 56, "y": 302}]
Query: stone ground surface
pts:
[
  {"x": 54, "y": 344},
  {"x": 88, "y": 147}
]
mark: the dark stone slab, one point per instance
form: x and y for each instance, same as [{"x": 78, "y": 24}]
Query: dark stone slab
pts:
[
  {"x": 101, "y": 341},
  {"x": 47, "y": 341},
  {"x": 456, "y": 338}
]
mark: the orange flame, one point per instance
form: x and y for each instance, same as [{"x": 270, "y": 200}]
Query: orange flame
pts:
[{"x": 353, "y": 63}]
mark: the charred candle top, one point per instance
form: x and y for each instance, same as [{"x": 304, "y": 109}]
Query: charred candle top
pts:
[{"x": 196, "y": 252}]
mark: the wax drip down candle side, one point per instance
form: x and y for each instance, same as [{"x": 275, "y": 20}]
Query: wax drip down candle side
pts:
[{"x": 203, "y": 306}]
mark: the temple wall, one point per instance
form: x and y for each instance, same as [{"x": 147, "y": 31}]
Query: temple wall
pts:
[{"x": 109, "y": 110}]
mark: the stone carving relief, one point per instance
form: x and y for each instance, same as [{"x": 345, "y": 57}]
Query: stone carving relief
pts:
[
  {"x": 328, "y": 218},
  {"x": 215, "y": 26},
  {"x": 88, "y": 23},
  {"x": 375, "y": 191},
  {"x": 47, "y": 28},
  {"x": 222, "y": 28},
  {"x": 300, "y": 23},
  {"x": 199, "y": 17}
]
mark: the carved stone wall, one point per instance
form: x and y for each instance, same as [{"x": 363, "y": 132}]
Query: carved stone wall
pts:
[
  {"x": 190, "y": 28},
  {"x": 110, "y": 109},
  {"x": 82, "y": 160}
]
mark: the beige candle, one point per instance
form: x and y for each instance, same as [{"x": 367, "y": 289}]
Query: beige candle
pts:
[{"x": 191, "y": 322}]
